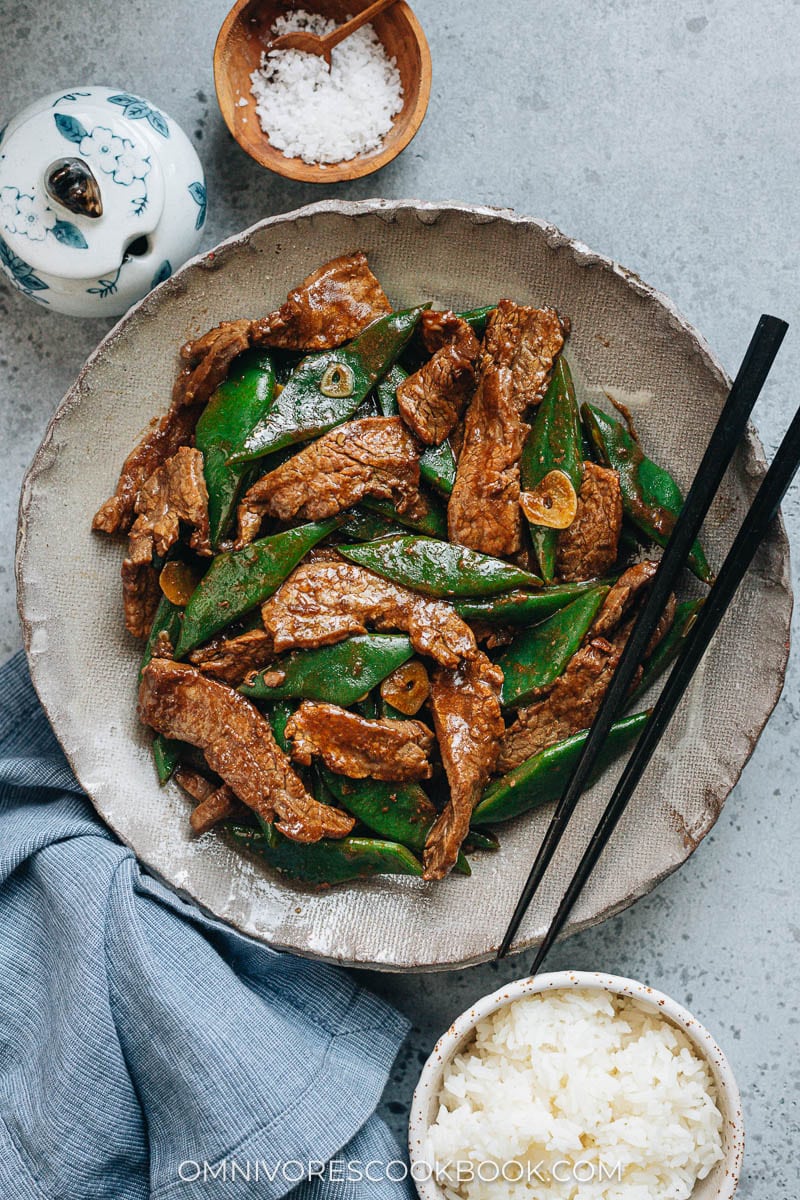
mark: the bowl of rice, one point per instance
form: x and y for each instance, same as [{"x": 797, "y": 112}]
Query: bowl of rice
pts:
[
  {"x": 576, "y": 1086},
  {"x": 308, "y": 122}
]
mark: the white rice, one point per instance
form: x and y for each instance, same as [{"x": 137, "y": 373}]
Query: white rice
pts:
[
  {"x": 576, "y": 1095},
  {"x": 326, "y": 116}
]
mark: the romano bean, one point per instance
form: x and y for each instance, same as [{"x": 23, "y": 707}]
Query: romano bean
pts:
[
  {"x": 538, "y": 655},
  {"x": 438, "y": 568},
  {"x": 340, "y": 674},
  {"x": 553, "y": 444},
  {"x": 544, "y": 776},
  {"x": 326, "y": 861},
  {"x": 228, "y": 419},
  {"x": 524, "y": 608},
  {"x": 401, "y": 812}
]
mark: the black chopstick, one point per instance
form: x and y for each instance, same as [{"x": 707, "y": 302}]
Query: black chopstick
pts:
[
  {"x": 755, "y": 527},
  {"x": 728, "y": 432}
]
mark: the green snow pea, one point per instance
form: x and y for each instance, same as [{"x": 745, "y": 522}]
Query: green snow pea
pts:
[
  {"x": 553, "y": 444},
  {"x": 328, "y": 388},
  {"x": 543, "y": 776},
  {"x": 401, "y": 812},
  {"x": 538, "y": 655},
  {"x": 238, "y": 580},
  {"x": 525, "y": 608},
  {"x": 432, "y": 523},
  {"x": 227, "y": 421},
  {"x": 438, "y": 568},
  {"x": 361, "y": 525},
  {"x": 279, "y": 719},
  {"x": 437, "y": 465},
  {"x": 168, "y": 619},
  {"x": 327, "y": 861},
  {"x": 670, "y": 646},
  {"x": 481, "y": 839},
  {"x": 340, "y": 674},
  {"x": 650, "y": 496}
]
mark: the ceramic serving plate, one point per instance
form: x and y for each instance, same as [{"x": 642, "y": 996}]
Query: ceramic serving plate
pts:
[{"x": 627, "y": 340}]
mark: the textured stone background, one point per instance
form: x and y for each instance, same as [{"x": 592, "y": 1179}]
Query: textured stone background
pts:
[{"x": 662, "y": 134}]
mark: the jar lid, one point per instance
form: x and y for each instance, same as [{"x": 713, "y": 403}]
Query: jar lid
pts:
[{"x": 79, "y": 184}]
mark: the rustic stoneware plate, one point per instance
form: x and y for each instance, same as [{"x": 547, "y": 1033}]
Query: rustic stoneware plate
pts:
[{"x": 627, "y": 340}]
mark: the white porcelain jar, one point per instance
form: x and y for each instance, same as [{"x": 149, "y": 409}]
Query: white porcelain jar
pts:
[{"x": 102, "y": 197}]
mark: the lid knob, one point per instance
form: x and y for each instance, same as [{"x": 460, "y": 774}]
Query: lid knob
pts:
[{"x": 70, "y": 182}]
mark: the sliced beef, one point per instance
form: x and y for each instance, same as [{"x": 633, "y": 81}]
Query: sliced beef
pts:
[
  {"x": 162, "y": 441},
  {"x": 574, "y": 699},
  {"x": 590, "y": 545},
  {"x": 140, "y": 590},
  {"x": 175, "y": 492},
  {"x": 469, "y": 726},
  {"x": 376, "y": 456},
  {"x": 357, "y": 747},
  {"x": 214, "y": 803},
  {"x": 519, "y": 349},
  {"x": 238, "y": 744},
  {"x": 628, "y": 590},
  {"x": 330, "y": 306},
  {"x": 232, "y": 659},
  {"x": 432, "y": 399},
  {"x": 207, "y": 360},
  {"x": 323, "y": 602},
  {"x": 438, "y": 328}
]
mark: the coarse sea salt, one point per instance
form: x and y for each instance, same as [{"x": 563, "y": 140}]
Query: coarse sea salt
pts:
[{"x": 327, "y": 116}]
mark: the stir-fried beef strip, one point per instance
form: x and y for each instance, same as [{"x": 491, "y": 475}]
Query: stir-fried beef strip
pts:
[
  {"x": 432, "y": 399},
  {"x": 574, "y": 699},
  {"x": 375, "y": 456},
  {"x": 628, "y": 590},
  {"x": 438, "y": 328},
  {"x": 357, "y": 747},
  {"x": 140, "y": 589},
  {"x": 469, "y": 726},
  {"x": 175, "y": 492},
  {"x": 330, "y": 306},
  {"x": 162, "y": 441},
  {"x": 207, "y": 360},
  {"x": 214, "y": 803},
  {"x": 516, "y": 361},
  {"x": 238, "y": 744},
  {"x": 324, "y": 602},
  {"x": 232, "y": 659},
  {"x": 589, "y": 546}
]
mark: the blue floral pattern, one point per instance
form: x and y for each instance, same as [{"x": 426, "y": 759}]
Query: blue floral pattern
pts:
[
  {"x": 138, "y": 110},
  {"x": 20, "y": 214},
  {"x": 113, "y": 155},
  {"x": 198, "y": 193},
  {"x": 106, "y": 287},
  {"x": 22, "y": 274},
  {"x": 69, "y": 96}
]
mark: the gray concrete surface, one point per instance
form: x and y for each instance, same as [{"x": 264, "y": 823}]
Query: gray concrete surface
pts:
[{"x": 663, "y": 134}]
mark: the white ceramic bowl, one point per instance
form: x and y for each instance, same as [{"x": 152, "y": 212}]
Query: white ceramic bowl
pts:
[{"x": 719, "y": 1185}]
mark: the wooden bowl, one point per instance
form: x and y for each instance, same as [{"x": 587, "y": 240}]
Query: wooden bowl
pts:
[{"x": 241, "y": 41}]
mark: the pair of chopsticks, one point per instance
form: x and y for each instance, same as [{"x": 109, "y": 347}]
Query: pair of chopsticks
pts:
[{"x": 728, "y": 433}]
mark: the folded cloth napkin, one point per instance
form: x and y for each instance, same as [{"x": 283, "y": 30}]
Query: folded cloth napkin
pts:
[{"x": 149, "y": 1051}]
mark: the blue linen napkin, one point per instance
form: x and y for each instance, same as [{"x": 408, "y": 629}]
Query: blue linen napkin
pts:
[{"x": 149, "y": 1051}]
